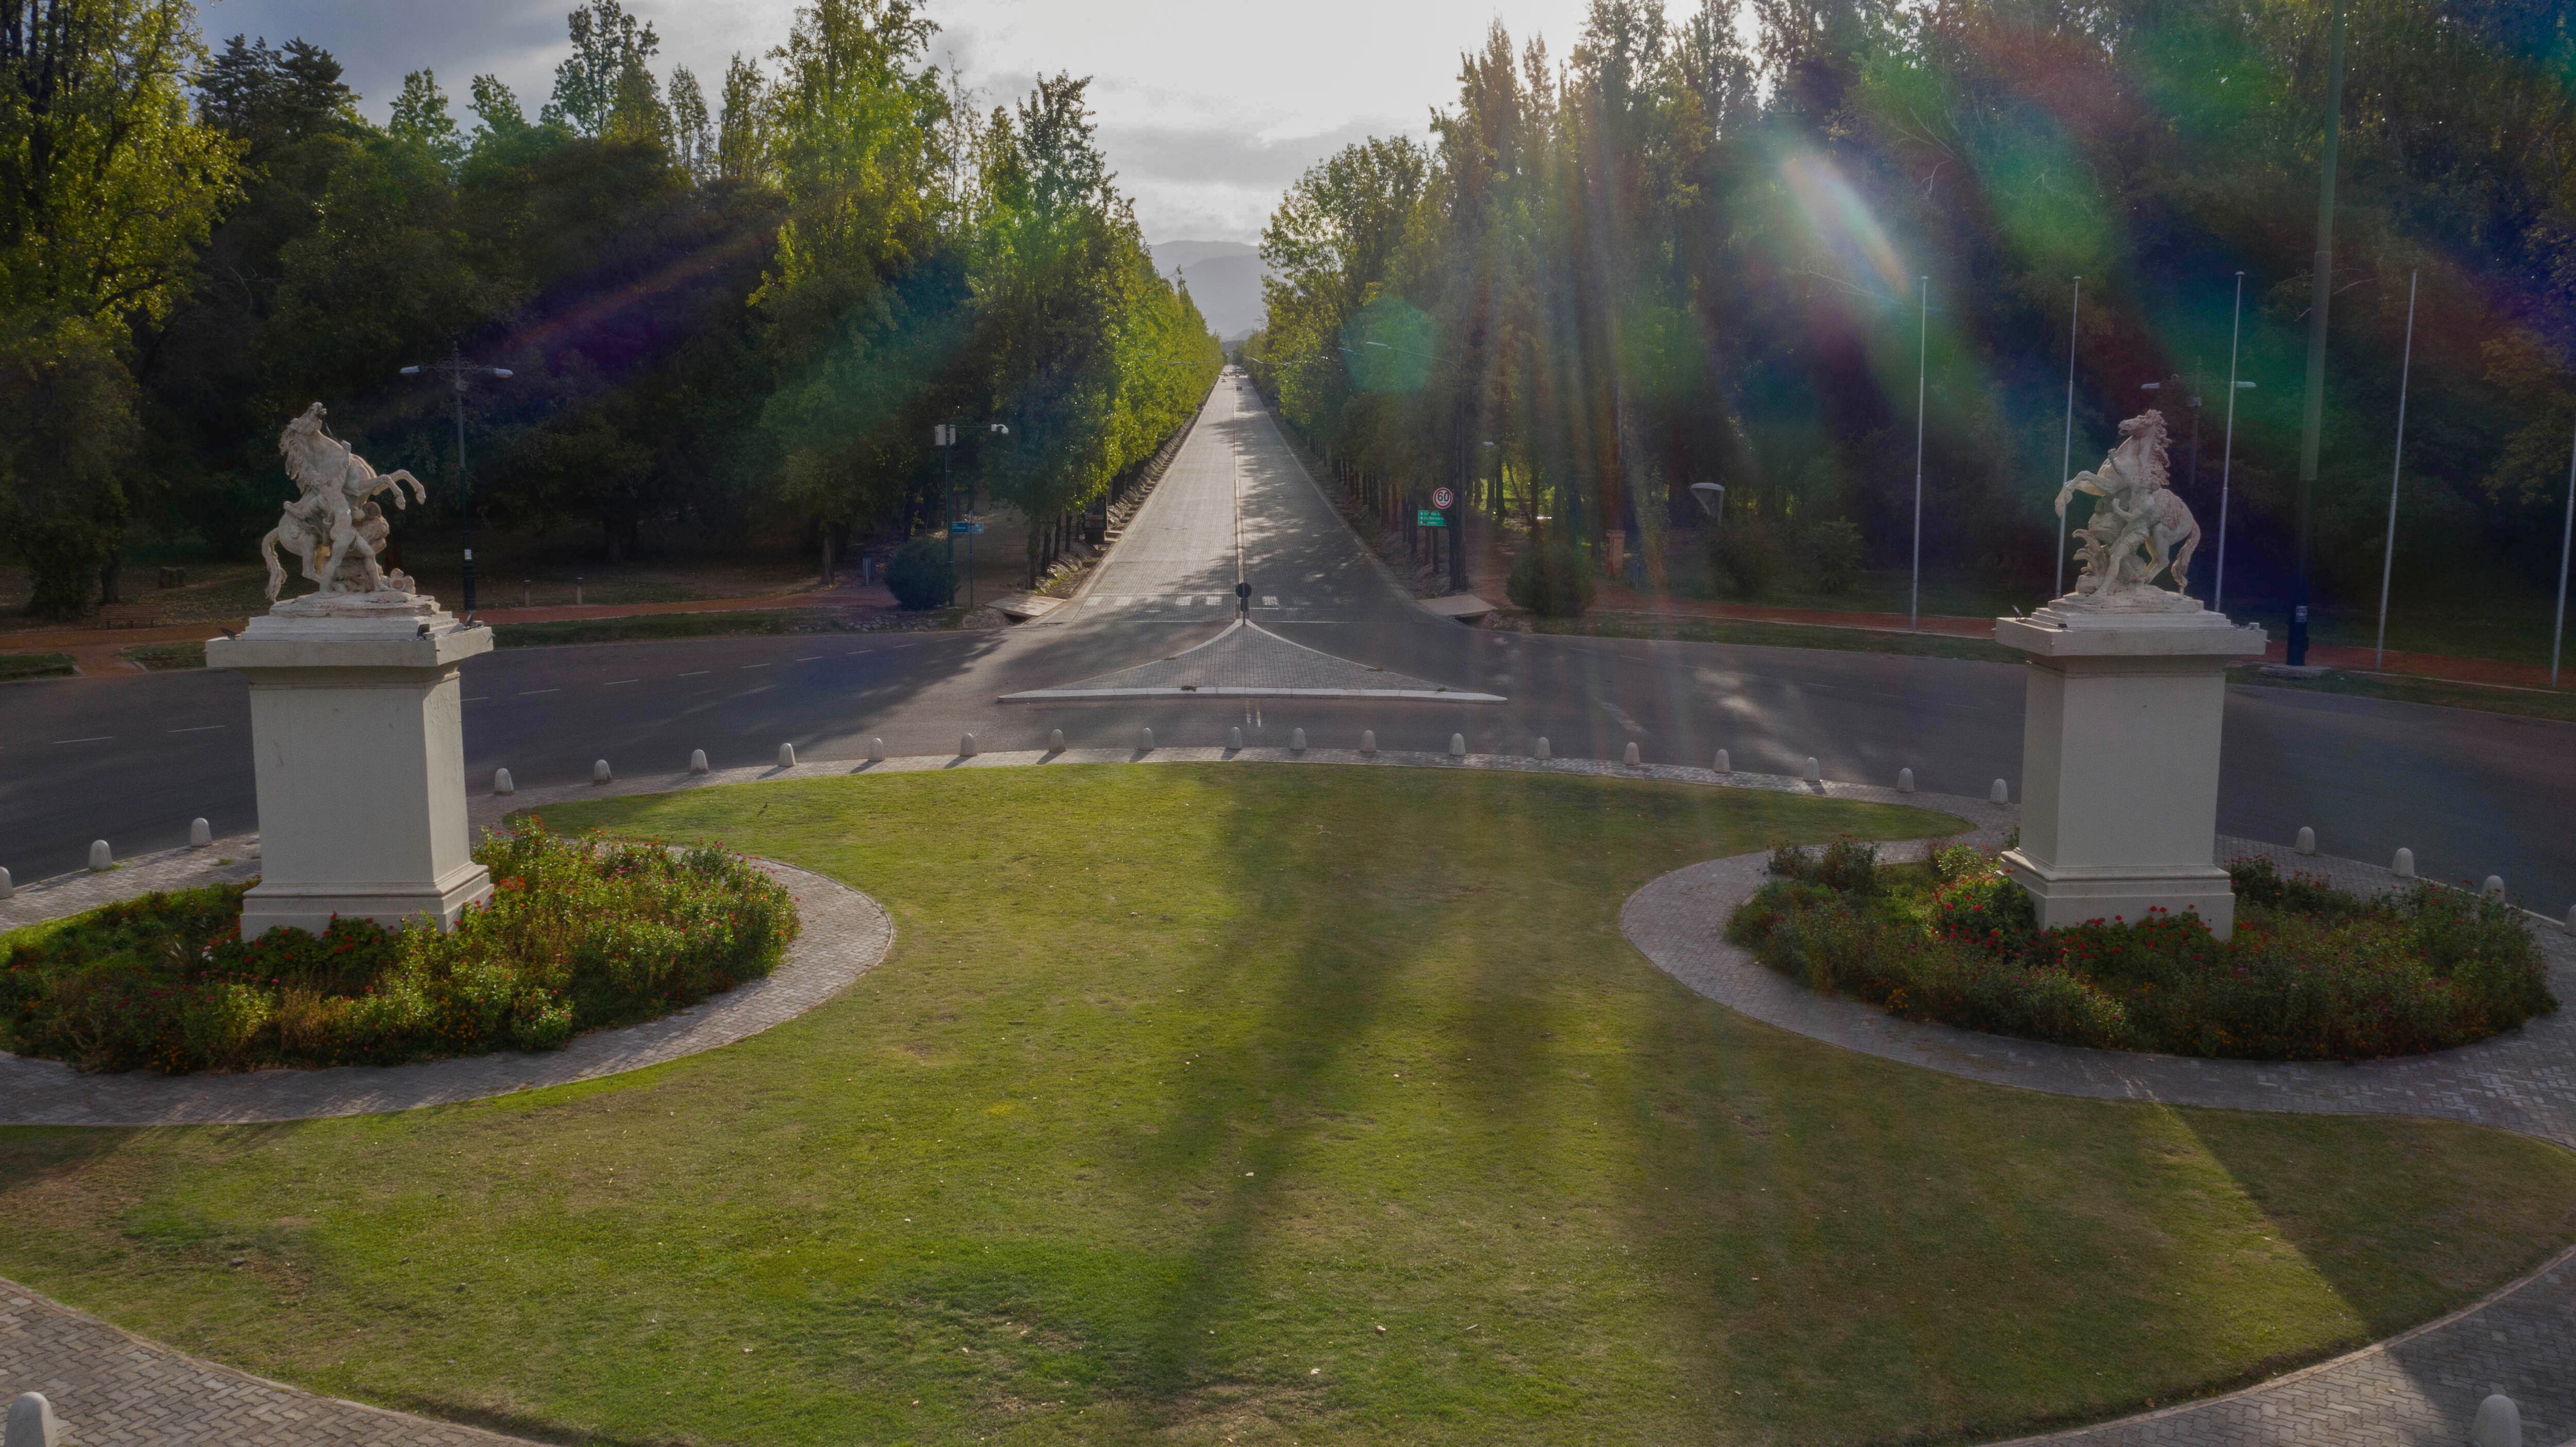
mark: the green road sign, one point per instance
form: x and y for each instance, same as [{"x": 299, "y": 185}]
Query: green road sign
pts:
[{"x": 1429, "y": 519}]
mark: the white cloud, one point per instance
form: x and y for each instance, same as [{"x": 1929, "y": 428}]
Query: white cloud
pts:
[{"x": 1207, "y": 107}]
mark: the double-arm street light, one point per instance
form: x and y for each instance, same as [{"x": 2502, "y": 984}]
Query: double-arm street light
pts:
[{"x": 456, "y": 371}]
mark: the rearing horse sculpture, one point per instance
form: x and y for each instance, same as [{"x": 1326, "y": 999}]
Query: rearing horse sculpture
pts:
[{"x": 331, "y": 520}]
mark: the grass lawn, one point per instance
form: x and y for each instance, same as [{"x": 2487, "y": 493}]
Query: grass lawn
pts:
[
  {"x": 1225, "y": 1103},
  {"x": 2401, "y": 688},
  {"x": 34, "y": 665}
]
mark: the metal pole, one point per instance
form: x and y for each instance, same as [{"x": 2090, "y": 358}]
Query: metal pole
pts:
[
  {"x": 464, "y": 478},
  {"x": 2566, "y": 535},
  {"x": 2388, "y": 554},
  {"x": 2227, "y": 450},
  {"x": 2320, "y": 292},
  {"x": 948, "y": 505},
  {"x": 2066, "y": 450},
  {"x": 1922, "y": 355}
]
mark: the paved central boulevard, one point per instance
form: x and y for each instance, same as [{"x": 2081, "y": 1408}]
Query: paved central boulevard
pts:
[{"x": 133, "y": 759}]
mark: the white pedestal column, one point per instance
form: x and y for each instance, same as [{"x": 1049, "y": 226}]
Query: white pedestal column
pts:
[
  {"x": 356, "y": 727},
  {"x": 2120, "y": 744}
]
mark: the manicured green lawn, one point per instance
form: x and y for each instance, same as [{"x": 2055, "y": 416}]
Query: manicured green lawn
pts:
[{"x": 1213, "y": 1103}]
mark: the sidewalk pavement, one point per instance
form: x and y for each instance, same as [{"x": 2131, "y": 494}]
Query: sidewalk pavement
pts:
[
  {"x": 98, "y": 652},
  {"x": 2491, "y": 672}
]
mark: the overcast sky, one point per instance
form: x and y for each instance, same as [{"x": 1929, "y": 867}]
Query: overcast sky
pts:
[{"x": 1207, "y": 109}]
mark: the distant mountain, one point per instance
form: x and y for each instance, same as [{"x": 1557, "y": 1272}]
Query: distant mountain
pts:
[{"x": 1224, "y": 278}]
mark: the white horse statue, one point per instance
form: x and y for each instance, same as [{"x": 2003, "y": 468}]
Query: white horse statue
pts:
[
  {"x": 2142, "y": 526},
  {"x": 334, "y": 526}
]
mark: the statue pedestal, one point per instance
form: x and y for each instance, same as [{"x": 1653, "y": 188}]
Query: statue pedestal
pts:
[
  {"x": 2120, "y": 757},
  {"x": 356, "y": 727}
]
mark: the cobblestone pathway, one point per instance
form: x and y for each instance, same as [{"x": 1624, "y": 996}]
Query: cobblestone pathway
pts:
[
  {"x": 2417, "y": 1390},
  {"x": 113, "y": 1389}
]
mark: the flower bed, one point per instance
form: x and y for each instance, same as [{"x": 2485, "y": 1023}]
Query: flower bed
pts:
[
  {"x": 579, "y": 934},
  {"x": 2311, "y": 973}
]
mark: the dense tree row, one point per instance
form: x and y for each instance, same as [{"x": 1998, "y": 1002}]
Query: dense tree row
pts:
[
  {"x": 720, "y": 311},
  {"x": 1676, "y": 257}
]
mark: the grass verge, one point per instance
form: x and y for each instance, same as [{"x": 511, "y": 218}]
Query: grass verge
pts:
[
  {"x": 160, "y": 656},
  {"x": 2440, "y": 693},
  {"x": 736, "y": 623},
  {"x": 1272, "y": 1105},
  {"x": 34, "y": 665},
  {"x": 1605, "y": 624}
]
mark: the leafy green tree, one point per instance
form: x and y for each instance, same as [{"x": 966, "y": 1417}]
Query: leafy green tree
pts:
[{"x": 420, "y": 116}]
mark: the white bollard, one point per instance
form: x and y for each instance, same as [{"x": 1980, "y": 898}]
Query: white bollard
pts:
[
  {"x": 2307, "y": 840},
  {"x": 1055, "y": 741},
  {"x": 1234, "y": 738},
  {"x": 502, "y": 783},
  {"x": 1457, "y": 746},
  {"x": 1905, "y": 781},
  {"x": 200, "y": 834},
  {"x": 697, "y": 761},
  {"x": 1725, "y": 765},
  {"x": 599, "y": 772},
  {"x": 2492, "y": 889},
  {"x": 876, "y": 751},
  {"x": 100, "y": 857},
  {"x": 787, "y": 756},
  {"x": 2001, "y": 793},
  {"x": 2403, "y": 866},
  {"x": 1815, "y": 771},
  {"x": 1545, "y": 753},
  {"x": 2571, "y": 909},
  {"x": 8, "y": 886},
  {"x": 966, "y": 747},
  {"x": 2498, "y": 1423},
  {"x": 1296, "y": 741},
  {"x": 32, "y": 1423},
  {"x": 1144, "y": 741},
  {"x": 1632, "y": 758},
  {"x": 1368, "y": 741}
]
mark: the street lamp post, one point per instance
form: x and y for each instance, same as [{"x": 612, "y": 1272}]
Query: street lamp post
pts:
[
  {"x": 2066, "y": 445},
  {"x": 455, "y": 371},
  {"x": 2227, "y": 449},
  {"x": 2320, "y": 292},
  {"x": 2396, "y": 467},
  {"x": 1922, "y": 358}
]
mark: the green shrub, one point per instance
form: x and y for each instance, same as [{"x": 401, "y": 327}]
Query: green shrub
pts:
[
  {"x": 579, "y": 934},
  {"x": 1837, "y": 550},
  {"x": 922, "y": 575},
  {"x": 1552, "y": 580},
  {"x": 2310, "y": 973},
  {"x": 1744, "y": 555}
]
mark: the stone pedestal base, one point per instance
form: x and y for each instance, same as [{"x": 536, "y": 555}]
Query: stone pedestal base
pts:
[
  {"x": 2120, "y": 758},
  {"x": 357, "y": 736}
]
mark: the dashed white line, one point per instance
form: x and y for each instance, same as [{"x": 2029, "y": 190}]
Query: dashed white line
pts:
[
  {"x": 94, "y": 739},
  {"x": 532, "y": 692},
  {"x": 752, "y": 665},
  {"x": 478, "y": 698},
  {"x": 620, "y": 682},
  {"x": 811, "y": 658},
  {"x": 694, "y": 672},
  {"x": 201, "y": 728}
]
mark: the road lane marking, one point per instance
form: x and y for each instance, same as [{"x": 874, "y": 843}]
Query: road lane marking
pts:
[
  {"x": 96, "y": 739},
  {"x": 478, "y": 698},
  {"x": 201, "y": 728},
  {"x": 811, "y": 658},
  {"x": 1186, "y": 600},
  {"x": 694, "y": 672},
  {"x": 620, "y": 682},
  {"x": 1268, "y": 601},
  {"x": 1212, "y": 602},
  {"x": 533, "y": 692},
  {"x": 753, "y": 665}
]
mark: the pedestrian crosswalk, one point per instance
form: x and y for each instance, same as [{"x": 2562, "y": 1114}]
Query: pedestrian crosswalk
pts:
[{"x": 1186, "y": 600}]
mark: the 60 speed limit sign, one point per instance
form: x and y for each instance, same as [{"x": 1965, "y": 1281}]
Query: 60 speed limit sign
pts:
[{"x": 1443, "y": 499}]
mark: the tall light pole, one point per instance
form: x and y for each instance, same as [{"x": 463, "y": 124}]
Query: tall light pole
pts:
[
  {"x": 2066, "y": 449},
  {"x": 1922, "y": 358},
  {"x": 2388, "y": 555},
  {"x": 2227, "y": 450},
  {"x": 2566, "y": 537},
  {"x": 456, "y": 371},
  {"x": 2320, "y": 292}
]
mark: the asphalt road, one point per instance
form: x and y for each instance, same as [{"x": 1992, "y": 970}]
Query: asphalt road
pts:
[{"x": 133, "y": 758}]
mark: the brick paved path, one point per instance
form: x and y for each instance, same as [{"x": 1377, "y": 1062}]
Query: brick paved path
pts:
[
  {"x": 2417, "y": 1390},
  {"x": 113, "y": 1389}
]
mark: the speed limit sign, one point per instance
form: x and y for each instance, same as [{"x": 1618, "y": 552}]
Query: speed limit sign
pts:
[{"x": 1443, "y": 499}]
